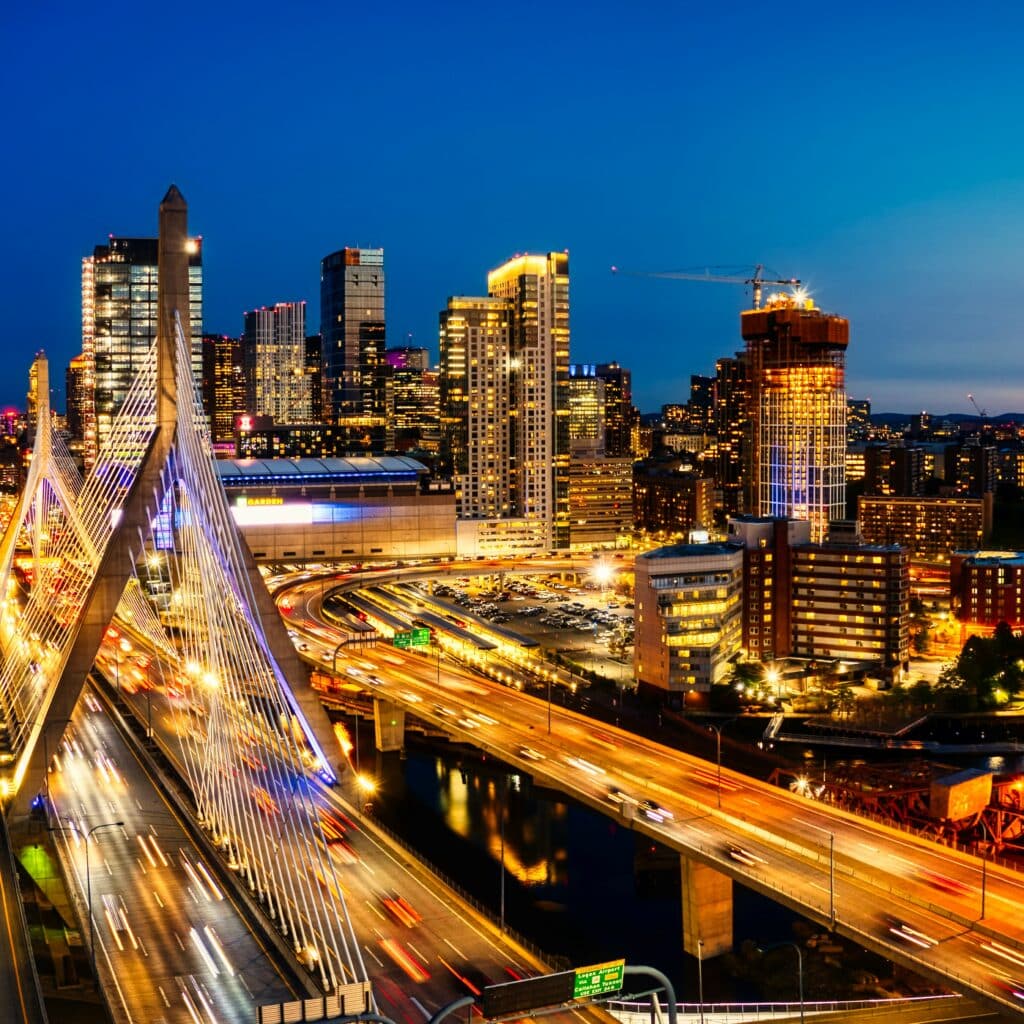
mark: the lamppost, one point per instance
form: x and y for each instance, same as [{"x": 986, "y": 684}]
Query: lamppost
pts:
[
  {"x": 88, "y": 882},
  {"x": 700, "y": 978},
  {"x": 799, "y": 969},
  {"x": 718, "y": 752},
  {"x": 334, "y": 657},
  {"x": 88, "y": 888},
  {"x": 984, "y": 880},
  {"x": 550, "y": 674},
  {"x": 831, "y": 880}
]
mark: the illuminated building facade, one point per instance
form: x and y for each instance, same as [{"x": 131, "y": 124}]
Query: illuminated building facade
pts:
[
  {"x": 620, "y": 418},
  {"x": 32, "y": 397},
  {"x": 537, "y": 286},
  {"x": 223, "y": 384},
  {"x": 767, "y": 581},
  {"x": 700, "y": 409},
  {"x": 670, "y": 499},
  {"x": 258, "y": 437},
  {"x": 78, "y": 398},
  {"x": 852, "y": 601},
  {"x": 352, "y": 330},
  {"x": 894, "y": 469},
  {"x": 858, "y": 419},
  {"x": 314, "y": 374},
  {"x": 413, "y": 399},
  {"x": 408, "y": 358},
  {"x": 688, "y": 617},
  {"x": 274, "y": 358},
  {"x": 987, "y": 587},
  {"x": 972, "y": 467},
  {"x": 119, "y": 318},
  {"x": 312, "y": 510},
  {"x": 730, "y": 429},
  {"x": 475, "y": 399},
  {"x": 586, "y": 410},
  {"x": 600, "y": 501},
  {"x": 930, "y": 528},
  {"x": 795, "y": 360}
]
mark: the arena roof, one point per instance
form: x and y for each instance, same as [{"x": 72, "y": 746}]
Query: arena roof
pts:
[{"x": 238, "y": 471}]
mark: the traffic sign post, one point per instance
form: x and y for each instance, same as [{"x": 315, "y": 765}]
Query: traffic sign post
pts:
[
  {"x": 599, "y": 979},
  {"x": 412, "y": 638}
]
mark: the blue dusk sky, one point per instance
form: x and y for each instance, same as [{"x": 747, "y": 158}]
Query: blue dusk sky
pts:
[{"x": 871, "y": 149}]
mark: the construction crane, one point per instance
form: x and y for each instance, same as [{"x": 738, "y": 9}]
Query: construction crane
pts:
[
  {"x": 983, "y": 413},
  {"x": 757, "y": 280}
]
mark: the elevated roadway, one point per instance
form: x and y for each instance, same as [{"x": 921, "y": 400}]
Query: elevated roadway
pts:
[
  {"x": 21, "y": 1000},
  {"x": 422, "y": 945},
  {"x": 940, "y": 912}
]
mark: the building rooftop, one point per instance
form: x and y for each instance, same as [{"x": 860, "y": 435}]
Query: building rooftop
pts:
[
  {"x": 234, "y": 471},
  {"x": 691, "y": 551},
  {"x": 992, "y": 557}
]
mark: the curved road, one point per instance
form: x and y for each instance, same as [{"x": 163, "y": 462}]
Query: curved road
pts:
[{"x": 910, "y": 899}]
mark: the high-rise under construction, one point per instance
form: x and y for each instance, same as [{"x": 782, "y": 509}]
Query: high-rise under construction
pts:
[{"x": 796, "y": 458}]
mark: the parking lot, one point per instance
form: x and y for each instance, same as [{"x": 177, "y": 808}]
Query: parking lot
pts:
[{"x": 591, "y": 626}]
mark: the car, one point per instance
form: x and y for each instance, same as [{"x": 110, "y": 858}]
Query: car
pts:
[
  {"x": 907, "y": 933},
  {"x": 655, "y": 812},
  {"x": 944, "y": 883},
  {"x": 743, "y": 856}
]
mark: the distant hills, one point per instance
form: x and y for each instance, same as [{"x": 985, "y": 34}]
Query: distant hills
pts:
[{"x": 895, "y": 419}]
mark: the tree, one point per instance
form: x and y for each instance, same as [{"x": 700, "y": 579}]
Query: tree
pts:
[{"x": 846, "y": 701}]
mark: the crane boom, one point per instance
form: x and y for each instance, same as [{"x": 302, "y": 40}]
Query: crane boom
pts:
[
  {"x": 983, "y": 413},
  {"x": 757, "y": 280}
]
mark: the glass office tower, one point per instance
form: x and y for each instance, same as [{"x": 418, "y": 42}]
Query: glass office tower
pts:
[
  {"x": 354, "y": 367},
  {"x": 119, "y": 321}
]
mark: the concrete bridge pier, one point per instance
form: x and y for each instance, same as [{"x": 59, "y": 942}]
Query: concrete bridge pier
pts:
[
  {"x": 388, "y": 725},
  {"x": 707, "y": 909}
]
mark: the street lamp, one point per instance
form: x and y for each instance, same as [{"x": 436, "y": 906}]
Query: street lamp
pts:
[
  {"x": 88, "y": 883},
  {"x": 718, "y": 751},
  {"x": 831, "y": 880},
  {"x": 700, "y": 978},
  {"x": 550, "y": 675},
  {"x": 799, "y": 969}
]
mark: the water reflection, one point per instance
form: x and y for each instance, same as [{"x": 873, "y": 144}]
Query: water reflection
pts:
[{"x": 576, "y": 883}]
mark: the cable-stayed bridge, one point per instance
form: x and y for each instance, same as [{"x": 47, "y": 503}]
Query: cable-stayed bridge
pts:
[{"x": 152, "y": 509}]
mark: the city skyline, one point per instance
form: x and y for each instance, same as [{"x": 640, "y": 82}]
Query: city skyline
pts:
[{"x": 650, "y": 143}]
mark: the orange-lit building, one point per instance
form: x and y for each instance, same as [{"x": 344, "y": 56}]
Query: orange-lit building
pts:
[
  {"x": 795, "y": 370},
  {"x": 930, "y": 528},
  {"x": 987, "y": 587}
]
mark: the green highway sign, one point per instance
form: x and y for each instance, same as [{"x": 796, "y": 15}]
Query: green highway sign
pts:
[
  {"x": 412, "y": 638},
  {"x": 599, "y": 979}
]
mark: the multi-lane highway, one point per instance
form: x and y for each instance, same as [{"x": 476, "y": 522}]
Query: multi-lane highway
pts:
[
  {"x": 913, "y": 900},
  {"x": 170, "y": 944},
  {"x": 421, "y": 945}
]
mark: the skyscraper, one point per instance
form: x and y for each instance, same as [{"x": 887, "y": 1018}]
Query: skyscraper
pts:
[
  {"x": 586, "y": 410},
  {"x": 730, "y": 427},
  {"x": 538, "y": 289},
  {"x": 224, "y": 378},
  {"x": 77, "y": 398},
  {"x": 315, "y": 375},
  {"x": 353, "y": 337},
  {"x": 274, "y": 357},
  {"x": 119, "y": 318},
  {"x": 619, "y": 415},
  {"x": 475, "y": 347},
  {"x": 797, "y": 407}
]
